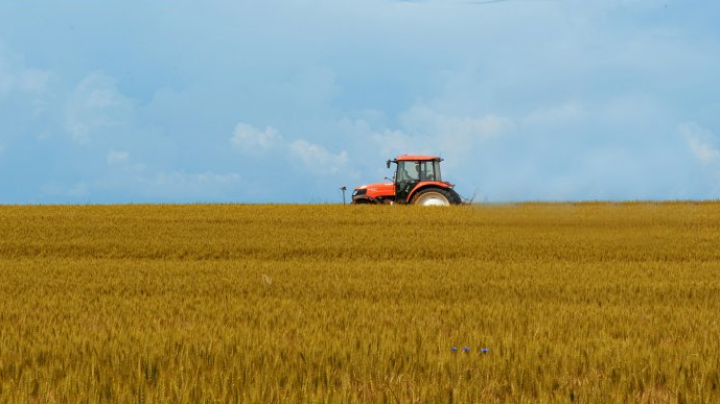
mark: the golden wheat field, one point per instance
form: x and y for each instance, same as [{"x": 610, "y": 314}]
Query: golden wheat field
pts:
[{"x": 588, "y": 303}]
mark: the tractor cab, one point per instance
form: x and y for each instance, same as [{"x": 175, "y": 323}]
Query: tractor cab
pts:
[
  {"x": 411, "y": 171},
  {"x": 417, "y": 180}
]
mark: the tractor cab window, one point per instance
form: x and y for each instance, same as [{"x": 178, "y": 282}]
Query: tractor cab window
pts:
[
  {"x": 408, "y": 171},
  {"x": 430, "y": 171}
]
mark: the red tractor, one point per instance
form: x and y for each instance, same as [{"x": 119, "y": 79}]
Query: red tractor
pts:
[{"x": 416, "y": 181}]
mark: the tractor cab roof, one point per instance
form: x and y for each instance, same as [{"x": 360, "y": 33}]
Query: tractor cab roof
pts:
[{"x": 414, "y": 157}]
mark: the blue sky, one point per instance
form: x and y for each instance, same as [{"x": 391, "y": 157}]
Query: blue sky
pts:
[{"x": 285, "y": 101}]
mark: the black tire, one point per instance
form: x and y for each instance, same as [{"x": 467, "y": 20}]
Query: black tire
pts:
[
  {"x": 456, "y": 199},
  {"x": 436, "y": 197}
]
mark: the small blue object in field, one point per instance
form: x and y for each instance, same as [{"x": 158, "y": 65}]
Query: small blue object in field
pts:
[
  {"x": 485, "y": 350},
  {"x": 466, "y": 349},
  {"x": 454, "y": 349}
]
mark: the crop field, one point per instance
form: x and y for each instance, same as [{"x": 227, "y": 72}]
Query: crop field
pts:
[{"x": 588, "y": 303}]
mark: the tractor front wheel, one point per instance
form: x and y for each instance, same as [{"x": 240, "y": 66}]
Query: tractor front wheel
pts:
[{"x": 436, "y": 197}]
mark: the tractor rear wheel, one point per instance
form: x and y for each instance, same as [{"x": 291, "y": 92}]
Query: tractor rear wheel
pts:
[{"x": 436, "y": 197}]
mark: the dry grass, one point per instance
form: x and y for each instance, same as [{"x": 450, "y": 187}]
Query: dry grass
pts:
[{"x": 576, "y": 302}]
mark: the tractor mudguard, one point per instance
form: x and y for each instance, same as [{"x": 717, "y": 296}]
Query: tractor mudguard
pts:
[{"x": 425, "y": 184}]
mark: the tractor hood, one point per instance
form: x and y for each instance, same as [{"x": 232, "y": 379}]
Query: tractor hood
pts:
[{"x": 375, "y": 190}]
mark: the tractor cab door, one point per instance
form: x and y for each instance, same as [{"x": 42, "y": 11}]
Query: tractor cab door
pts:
[{"x": 406, "y": 178}]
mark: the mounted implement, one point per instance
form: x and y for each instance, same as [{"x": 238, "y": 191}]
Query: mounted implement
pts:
[{"x": 417, "y": 181}]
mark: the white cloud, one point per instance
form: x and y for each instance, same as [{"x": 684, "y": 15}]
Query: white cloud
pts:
[
  {"x": 96, "y": 105},
  {"x": 313, "y": 156},
  {"x": 121, "y": 160},
  {"x": 117, "y": 157},
  {"x": 14, "y": 76},
  {"x": 393, "y": 142},
  {"x": 701, "y": 142},
  {"x": 32, "y": 80},
  {"x": 421, "y": 119},
  {"x": 250, "y": 139},
  {"x": 317, "y": 158},
  {"x": 424, "y": 130}
]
